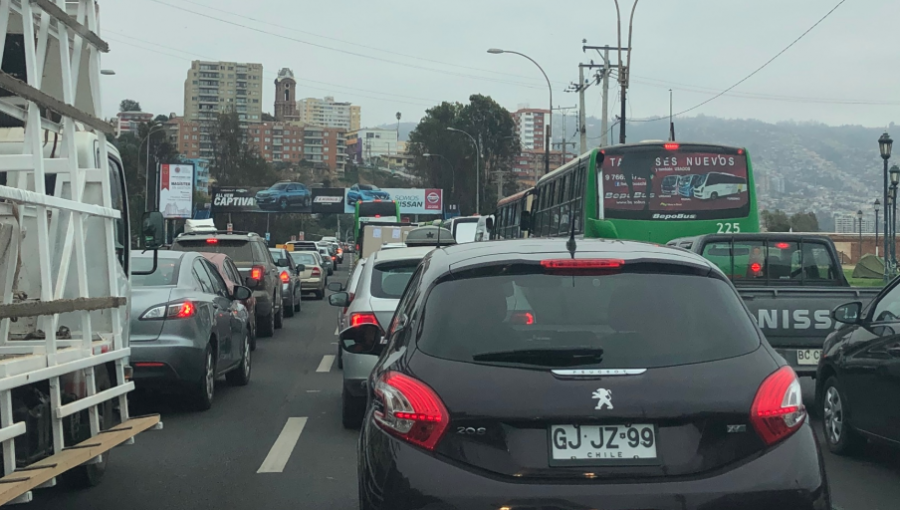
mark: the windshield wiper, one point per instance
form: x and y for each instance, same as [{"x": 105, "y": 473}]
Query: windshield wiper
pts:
[{"x": 546, "y": 357}]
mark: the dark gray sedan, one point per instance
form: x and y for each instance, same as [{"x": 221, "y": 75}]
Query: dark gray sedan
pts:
[{"x": 186, "y": 328}]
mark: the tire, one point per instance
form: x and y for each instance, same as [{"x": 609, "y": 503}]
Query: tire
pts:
[
  {"x": 205, "y": 389},
  {"x": 340, "y": 357},
  {"x": 840, "y": 437},
  {"x": 240, "y": 376},
  {"x": 279, "y": 318},
  {"x": 289, "y": 307},
  {"x": 253, "y": 331},
  {"x": 320, "y": 295},
  {"x": 298, "y": 303},
  {"x": 714, "y": 195},
  {"x": 353, "y": 409},
  {"x": 283, "y": 204},
  {"x": 86, "y": 476},
  {"x": 267, "y": 325}
]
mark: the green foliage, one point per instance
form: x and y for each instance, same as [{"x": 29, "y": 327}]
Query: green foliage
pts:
[
  {"x": 129, "y": 105},
  {"x": 236, "y": 163},
  {"x": 161, "y": 119},
  {"x": 485, "y": 120},
  {"x": 805, "y": 222},
  {"x": 778, "y": 221},
  {"x": 267, "y": 117}
]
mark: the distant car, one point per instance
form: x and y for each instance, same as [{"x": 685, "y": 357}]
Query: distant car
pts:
[
  {"x": 312, "y": 278},
  {"x": 232, "y": 276},
  {"x": 381, "y": 283},
  {"x": 290, "y": 281},
  {"x": 364, "y": 192},
  {"x": 249, "y": 253},
  {"x": 332, "y": 250},
  {"x": 327, "y": 259},
  {"x": 187, "y": 329},
  {"x": 284, "y": 196}
]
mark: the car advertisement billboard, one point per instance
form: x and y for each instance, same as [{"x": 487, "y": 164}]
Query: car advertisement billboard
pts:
[
  {"x": 176, "y": 190},
  {"x": 328, "y": 200},
  {"x": 285, "y": 197},
  {"x": 411, "y": 200},
  {"x": 682, "y": 185}
]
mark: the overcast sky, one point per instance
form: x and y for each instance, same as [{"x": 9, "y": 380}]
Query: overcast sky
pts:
[{"x": 406, "y": 55}]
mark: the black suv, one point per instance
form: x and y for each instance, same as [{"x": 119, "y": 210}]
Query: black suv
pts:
[{"x": 251, "y": 256}]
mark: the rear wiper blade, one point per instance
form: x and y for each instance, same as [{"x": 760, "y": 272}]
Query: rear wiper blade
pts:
[{"x": 546, "y": 357}]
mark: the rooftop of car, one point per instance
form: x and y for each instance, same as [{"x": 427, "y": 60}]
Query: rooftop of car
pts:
[
  {"x": 219, "y": 234},
  {"x": 754, "y": 236},
  {"x": 401, "y": 253}
]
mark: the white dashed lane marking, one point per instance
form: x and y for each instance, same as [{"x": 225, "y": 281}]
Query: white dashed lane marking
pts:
[
  {"x": 284, "y": 446},
  {"x": 325, "y": 364}
]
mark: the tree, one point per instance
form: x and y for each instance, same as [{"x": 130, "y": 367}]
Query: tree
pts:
[
  {"x": 161, "y": 119},
  {"x": 129, "y": 105},
  {"x": 805, "y": 222},
  {"x": 775, "y": 221},
  {"x": 236, "y": 163},
  {"x": 267, "y": 117},
  {"x": 454, "y": 169}
]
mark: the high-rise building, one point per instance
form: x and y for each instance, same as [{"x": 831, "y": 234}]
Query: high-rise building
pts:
[
  {"x": 291, "y": 142},
  {"x": 528, "y": 166},
  {"x": 285, "y": 96},
  {"x": 217, "y": 87},
  {"x": 129, "y": 122},
  {"x": 185, "y": 136},
  {"x": 328, "y": 113},
  {"x": 849, "y": 223},
  {"x": 530, "y": 127}
]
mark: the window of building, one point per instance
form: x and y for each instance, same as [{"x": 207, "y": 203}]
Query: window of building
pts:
[{"x": 255, "y": 138}]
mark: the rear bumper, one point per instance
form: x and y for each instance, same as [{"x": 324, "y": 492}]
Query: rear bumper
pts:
[
  {"x": 312, "y": 284},
  {"x": 788, "y": 476},
  {"x": 182, "y": 362}
]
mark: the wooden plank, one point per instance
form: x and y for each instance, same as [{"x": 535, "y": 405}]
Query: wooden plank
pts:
[
  {"x": 52, "y": 9},
  {"x": 40, "y": 308},
  {"x": 22, "y": 481},
  {"x": 24, "y": 90}
]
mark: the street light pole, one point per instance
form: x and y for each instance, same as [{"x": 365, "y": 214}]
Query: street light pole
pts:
[
  {"x": 878, "y": 208},
  {"x": 477, "y": 171},
  {"x": 549, "y": 135},
  {"x": 884, "y": 146},
  {"x": 895, "y": 181},
  {"x": 452, "y": 170},
  {"x": 859, "y": 217}
]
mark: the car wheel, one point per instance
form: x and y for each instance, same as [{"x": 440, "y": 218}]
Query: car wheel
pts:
[
  {"x": 713, "y": 195},
  {"x": 288, "y": 307},
  {"x": 283, "y": 203},
  {"x": 205, "y": 388},
  {"x": 352, "y": 410},
  {"x": 320, "y": 295},
  {"x": 240, "y": 376},
  {"x": 279, "y": 318},
  {"x": 90, "y": 475},
  {"x": 839, "y": 434},
  {"x": 266, "y": 325},
  {"x": 253, "y": 332}
]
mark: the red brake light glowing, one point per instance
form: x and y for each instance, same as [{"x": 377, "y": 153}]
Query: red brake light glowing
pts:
[
  {"x": 285, "y": 277},
  {"x": 670, "y": 146},
  {"x": 256, "y": 272},
  {"x": 378, "y": 216},
  {"x": 756, "y": 267},
  {"x": 149, "y": 364},
  {"x": 316, "y": 272},
  {"x": 182, "y": 311},
  {"x": 410, "y": 410},
  {"x": 740, "y": 151},
  {"x": 581, "y": 264},
  {"x": 358, "y": 319},
  {"x": 212, "y": 240},
  {"x": 526, "y": 318},
  {"x": 778, "y": 409},
  {"x": 782, "y": 246}
]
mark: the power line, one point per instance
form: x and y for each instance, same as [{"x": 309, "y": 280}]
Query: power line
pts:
[
  {"x": 346, "y": 52},
  {"x": 366, "y": 46},
  {"x": 755, "y": 71}
]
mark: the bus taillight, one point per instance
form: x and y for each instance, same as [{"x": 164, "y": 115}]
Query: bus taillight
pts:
[{"x": 671, "y": 146}]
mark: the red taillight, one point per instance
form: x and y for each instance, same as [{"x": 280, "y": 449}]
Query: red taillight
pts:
[
  {"x": 333, "y": 257},
  {"x": 184, "y": 311},
  {"x": 212, "y": 240},
  {"x": 526, "y": 318},
  {"x": 581, "y": 266},
  {"x": 316, "y": 272},
  {"x": 285, "y": 277},
  {"x": 410, "y": 410},
  {"x": 256, "y": 272},
  {"x": 358, "y": 319},
  {"x": 782, "y": 246},
  {"x": 340, "y": 251},
  {"x": 378, "y": 216},
  {"x": 149, "y": 364},
  {"x": 670, "y": 146},
  {"x": 778, "y": 409},
  {"x": 756, "y": 267},
  {"x": 740, "y": 151}
]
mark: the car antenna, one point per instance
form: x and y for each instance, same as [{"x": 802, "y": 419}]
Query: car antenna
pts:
[
  {"x": 438, "y": 245},
  {"x": 570, "y": 244}
]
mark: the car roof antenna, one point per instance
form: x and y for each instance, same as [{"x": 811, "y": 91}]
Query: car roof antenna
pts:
[{"x": 570, "y": 244}]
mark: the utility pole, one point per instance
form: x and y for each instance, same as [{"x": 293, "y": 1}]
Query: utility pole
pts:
[
  {"x": 582, "y": 117},
  {"x": 564, "y": 110},
  {"x": 602, "y": 76}
]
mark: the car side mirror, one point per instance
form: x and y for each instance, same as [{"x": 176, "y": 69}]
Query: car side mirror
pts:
[
  {"x": 283, "y": 263},
  {"x": 301, "y": 268},
  {"x": 341, "y": 299},
  {"x": 336, "y": 287},
  {"x": 152, "y": 230},
  {"x": 849, "y": 313},
  {"x": 525, "y": 221},
  {"x": 240, "y": 293},
  {"x": 362, "y": 339},
  {"x": 250, "y": 283},
  {"x": 489, "y": 223}
]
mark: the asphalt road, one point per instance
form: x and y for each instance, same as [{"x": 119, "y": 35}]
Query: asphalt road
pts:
[{"x": 212, "y": 459}]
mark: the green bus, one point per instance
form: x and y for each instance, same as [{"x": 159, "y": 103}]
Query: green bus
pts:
[
  {"x": 648, "y": 191},
  {"x": 375, "y": 211}
]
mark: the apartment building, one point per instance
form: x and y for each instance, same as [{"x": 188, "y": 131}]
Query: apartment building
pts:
[
  {"x": 849, "y": 223},
  {"x": 529, "y": 165},
  {"x": 217, "y": 87},
  {"x": 328, "y": 113},
  {"x": 185, "y": 136},
  {"x": 530, "y": 127},
  {"x": 370, "y": 143},
  {"x": 129, "y": 122},
  {"x": 290, "y": 142}
]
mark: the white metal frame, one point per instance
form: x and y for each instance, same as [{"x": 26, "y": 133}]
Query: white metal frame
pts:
[{"x": 28, "y": 361}]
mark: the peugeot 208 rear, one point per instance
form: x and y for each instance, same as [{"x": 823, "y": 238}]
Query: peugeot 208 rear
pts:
[{"x": 619, "y": 376}]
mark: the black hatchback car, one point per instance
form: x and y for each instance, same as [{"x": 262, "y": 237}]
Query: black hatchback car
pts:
[
  {"x": 623, "y": 375},
  {"x": 858, "y": 379}
]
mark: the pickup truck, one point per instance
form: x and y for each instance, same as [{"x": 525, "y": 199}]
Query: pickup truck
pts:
[{"x": 790, "y": 283}]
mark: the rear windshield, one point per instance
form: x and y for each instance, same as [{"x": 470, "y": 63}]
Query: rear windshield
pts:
[
  {"x": 389, "y": 279},
  {"x": 239, "y": 251},
  {"x": 304, "y": 258},
  {"x": 771, "y": 261},
  {"x": 631, "y": 320},
  {"x": 166, "y": 272}
]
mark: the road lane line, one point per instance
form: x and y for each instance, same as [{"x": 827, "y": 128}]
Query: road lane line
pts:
[
  {"x": 325, "y": 364},
  {"x": 336, "y": 332},
  {"x": 281, "y": 451}
]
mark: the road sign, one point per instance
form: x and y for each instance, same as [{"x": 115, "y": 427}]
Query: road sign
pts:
[
  {"x": 301, "y": 236},
  {"x": 230, "y": 228},
  {"x": 268, "y": 237}
]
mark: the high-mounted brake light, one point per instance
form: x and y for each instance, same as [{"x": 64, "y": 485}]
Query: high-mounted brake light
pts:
[
  {"x": 360, "y": 318},
  {"x": 756, "y": 267},
  {"x": 782, "y": 246},
  {"x": 285, "y": 277},
  {"x": 257, "y": 272},
  {"x": 581, "y": 264},
  {"x": 378, "y": 216},
  {"x": 740, "y": 151},
  {"x": 212, "y": 240},
  {"x": 671, "y": 146},
  {"x": 778, "y": 409},
  {"x": 410, "y": 410}
]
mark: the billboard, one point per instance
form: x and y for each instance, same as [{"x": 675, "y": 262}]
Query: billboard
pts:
[
  {"x": 176, "y": 190},
  {"x": 328, "y": 200},
  {"x": 412, "y": 200},
  {"x": 284, "y": 197}
]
